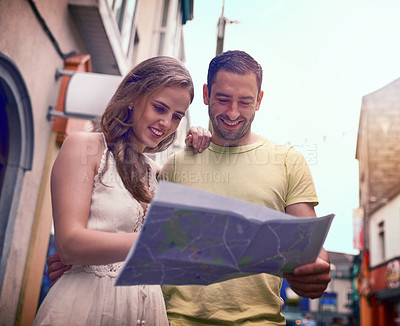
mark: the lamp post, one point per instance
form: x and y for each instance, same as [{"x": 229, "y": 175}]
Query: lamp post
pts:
[{"x": 222, "y": 21}]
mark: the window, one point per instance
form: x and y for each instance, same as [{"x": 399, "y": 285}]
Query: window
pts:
[
  {"x": 381, "y": 241},
  {"x": 349, "y": 299},
  {"x": 16, "y": 150},
  {"x": 163, "y": 27},
  {"x": 124, "y": 13}
]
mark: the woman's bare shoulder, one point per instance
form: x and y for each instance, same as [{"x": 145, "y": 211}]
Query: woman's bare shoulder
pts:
[
  {"x": 88, "y": 140},
  {"x": 155, "y": 167},
  {"x": 88, "y": 146},
  {"x": 85, "y": 137}
]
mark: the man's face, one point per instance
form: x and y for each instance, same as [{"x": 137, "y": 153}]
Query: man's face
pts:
[{"x": 232, "y": 105}]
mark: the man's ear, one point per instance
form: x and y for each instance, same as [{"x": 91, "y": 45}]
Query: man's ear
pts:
[
  {"x": 259, "y": 99},
  {"x": 206, "y": 98}
]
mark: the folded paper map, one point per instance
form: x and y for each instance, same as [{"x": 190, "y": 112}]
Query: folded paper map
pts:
[{"x": 191, "y": 236}]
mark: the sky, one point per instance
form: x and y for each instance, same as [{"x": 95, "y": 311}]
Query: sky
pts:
[{"x": 319, "y": 57}]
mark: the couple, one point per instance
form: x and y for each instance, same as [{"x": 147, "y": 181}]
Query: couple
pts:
[{"x": 94, "y": 197}]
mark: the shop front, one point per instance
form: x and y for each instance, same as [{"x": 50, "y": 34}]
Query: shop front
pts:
[{"x": 385, "y": 293}]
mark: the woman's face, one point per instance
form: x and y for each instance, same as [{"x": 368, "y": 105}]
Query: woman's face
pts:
[{"x": 157, "y": 116}]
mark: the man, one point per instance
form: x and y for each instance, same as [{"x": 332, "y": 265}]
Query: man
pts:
[{"x": 241, "y": 164}]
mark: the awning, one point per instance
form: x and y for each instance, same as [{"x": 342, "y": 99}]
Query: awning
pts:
[
  {"x": 187, "y": 10},
  {"x": 392, "y": 295}
]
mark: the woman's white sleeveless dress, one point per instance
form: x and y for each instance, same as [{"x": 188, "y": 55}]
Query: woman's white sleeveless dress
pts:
[{"x": 86, "y": 295}]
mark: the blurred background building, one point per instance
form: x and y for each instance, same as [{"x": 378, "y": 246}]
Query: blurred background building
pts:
[
  {"x": 378, "y": 153},
  {"x": 340, "y": 300}
]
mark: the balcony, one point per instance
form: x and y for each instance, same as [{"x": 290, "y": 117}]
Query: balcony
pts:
[{"x": 98, "y": 27}]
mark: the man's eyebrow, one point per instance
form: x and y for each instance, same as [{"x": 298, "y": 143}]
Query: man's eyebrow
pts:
[
  {"x": 223, "y": 94},
  {"x": 230, "y": 96},
  {"x": 246, "y": 97}
]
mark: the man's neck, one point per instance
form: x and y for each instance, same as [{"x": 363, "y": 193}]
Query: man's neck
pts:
[{"x": 248, "y": 140}]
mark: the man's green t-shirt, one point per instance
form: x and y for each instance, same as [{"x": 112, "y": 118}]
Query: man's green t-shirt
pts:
[{"x": 263, "y": 173}]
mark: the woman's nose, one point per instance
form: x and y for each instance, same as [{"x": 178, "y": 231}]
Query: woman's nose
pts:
[{"x": 166, "y": 122}]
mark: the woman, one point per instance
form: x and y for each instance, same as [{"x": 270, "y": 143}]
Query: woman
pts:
[{"x": 101, "y": 186}]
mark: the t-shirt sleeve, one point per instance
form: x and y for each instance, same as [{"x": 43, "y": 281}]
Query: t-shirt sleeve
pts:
[
  {"x": 167, "y": 172},
  {"x": 301, "y": 188}
]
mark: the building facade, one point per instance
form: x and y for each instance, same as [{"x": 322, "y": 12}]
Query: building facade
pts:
[
  {"x": 378, "y": 153},
  {"x": 42, "y": 45},
  {"x": 339, "y": 300}
]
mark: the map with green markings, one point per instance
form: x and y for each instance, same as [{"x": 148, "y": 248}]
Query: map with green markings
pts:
[{"x": 192, "y": 236}]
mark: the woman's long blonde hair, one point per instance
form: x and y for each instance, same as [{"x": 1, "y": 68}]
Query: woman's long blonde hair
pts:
[{"x": 141, "y": 82}]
